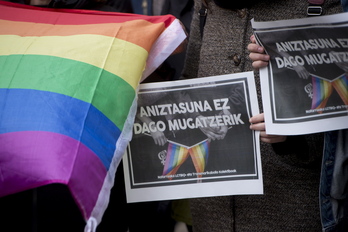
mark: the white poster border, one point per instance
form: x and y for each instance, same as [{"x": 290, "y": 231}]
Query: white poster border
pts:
[
  {"x": 296, "y": 128},
  {"x": 201, "y": 189}
]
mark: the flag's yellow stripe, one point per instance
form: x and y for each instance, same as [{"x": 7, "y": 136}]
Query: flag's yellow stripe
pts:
[{"x": 119, "y": 57}]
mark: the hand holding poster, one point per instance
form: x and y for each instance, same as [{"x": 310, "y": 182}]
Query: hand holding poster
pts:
[
  {"x": 191, "y": 138},
  {"x": 305, "y": 85}
]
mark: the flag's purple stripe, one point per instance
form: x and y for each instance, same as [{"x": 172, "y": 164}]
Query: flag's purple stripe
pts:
[
  {"x": 34, "y": 158},
  {"x": 169, "y": 159},
  {"x": 34, "y": 110},
  {"x": 316, "y": 92},
  {"x": 344, "y": 80}
]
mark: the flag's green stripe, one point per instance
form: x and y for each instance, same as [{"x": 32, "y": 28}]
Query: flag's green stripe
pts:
[{"x": 107, "y": 92}]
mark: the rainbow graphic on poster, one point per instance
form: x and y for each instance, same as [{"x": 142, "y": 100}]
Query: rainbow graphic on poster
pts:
[
  {"x": 322, "y": 90},
  {"x": 177, "y": 154}
]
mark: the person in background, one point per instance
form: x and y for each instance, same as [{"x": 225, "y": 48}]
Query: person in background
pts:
[
  {"x": 170, "y": 70},
  {"x": 334, "y": 179},
  {"x": 333, "y": 189},
  {"x": 182, "y": 9},
  {"x": 219, "y": 36}
]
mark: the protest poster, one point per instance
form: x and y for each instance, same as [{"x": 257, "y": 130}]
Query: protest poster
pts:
[
  {"x": 170, "y": 156},
  {"x": 304, "y": 87}
]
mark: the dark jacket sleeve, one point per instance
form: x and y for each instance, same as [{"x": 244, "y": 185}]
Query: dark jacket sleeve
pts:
[
  {"x": 301, "y": 150},
  {"x": 228, "y": 4}
]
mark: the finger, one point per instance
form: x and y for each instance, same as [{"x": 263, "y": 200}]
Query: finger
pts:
[
  {"x": 259, "y": 57},
  {"x": 253, "y": 39},
  {"x": 157, "y": 142},
  {"x": 258, "y": 126},
  {"x": 277, "y": 139},
  {"x": 163, "y": 141},
  {"x": 304, "y": 75},
  {"x": 255, "y": 48},
  {"x": 257, "y": 118},
  {"x": 259, "y": 64}
]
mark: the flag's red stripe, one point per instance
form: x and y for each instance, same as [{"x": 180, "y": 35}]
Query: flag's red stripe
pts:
[{"x": 20, "y": 12}]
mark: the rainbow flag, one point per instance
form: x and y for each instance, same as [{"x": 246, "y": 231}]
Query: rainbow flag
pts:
[
  {"x": 68, "y": 87},
  {"x": 341, "y": 86},
  {"x": 322, "y": 90},
  {"x": 177, "y": 154}
]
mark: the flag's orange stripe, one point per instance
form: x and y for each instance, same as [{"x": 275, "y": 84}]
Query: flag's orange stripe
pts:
[
  {"x": 198, "y": 159},
  {"x": 135, "y": 32}
]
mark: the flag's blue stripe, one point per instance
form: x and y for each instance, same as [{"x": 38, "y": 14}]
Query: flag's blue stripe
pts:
[
  {"x": 34, "y": 110},
  {"x": 206, "y": 149}
]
